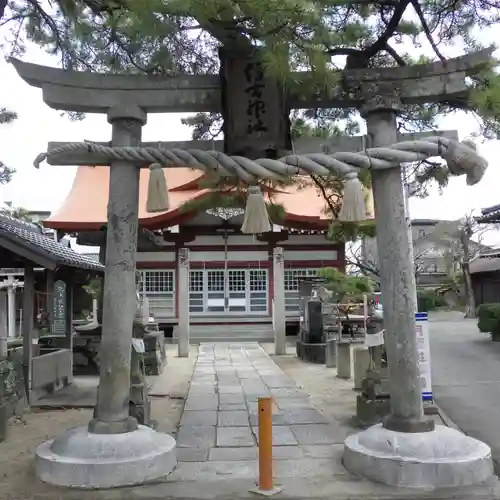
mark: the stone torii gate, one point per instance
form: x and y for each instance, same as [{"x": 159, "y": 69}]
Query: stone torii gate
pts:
[{"x": 442, "y": 458}]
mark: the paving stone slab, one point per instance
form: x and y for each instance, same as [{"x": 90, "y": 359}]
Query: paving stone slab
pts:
[
  {"x": 238, "y": 418},
  {"x": 229, "y": 381},
  {"x": 235, "y": 436},
  {"x": 253, "y": 385},
  {"x": 202, "y": 389},
  {"x": 202, "y": 402},
  {"x": 318, "y": 434},
  {"x": 288, "y": 392},
  {"x": 196, "y": 436},
  {"x": 278, "y": 382},
  {"x": 269, "y": 371},
  {"x": 235, "y": 398},
  {"x": 282, "y": 436},
  {"x": 199, "y": 417},
  {"x": 250, "y": 377},
  {"x": 231, "y": 454},
  {"x": 205, "y": 472},
  {"x": 229, "y": 389},
  {"x": 302, "y": 416},
  {"x": 202, "y": 372},
  {"x": 253, "y": 408},
  {"x": 232, "y": 407},
  {"x": 192, "y": 454},
  {"x": 292, "y": 403},
  {"x": 323, "y": 451},
  {"x": 307, "y": 467},
  {"x": 205, "y": 377},
  {"x": 277, "y": 419}
]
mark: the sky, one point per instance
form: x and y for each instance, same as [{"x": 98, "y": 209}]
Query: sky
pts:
[{"x": 46, "y": 188}]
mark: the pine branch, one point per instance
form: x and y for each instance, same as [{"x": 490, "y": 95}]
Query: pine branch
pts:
[
  {"x": 425, "y": 27},
  {"x": 334, "y": 209},
  {"x": 392, "y": 25},
  {"x": 395, "y": 55}
]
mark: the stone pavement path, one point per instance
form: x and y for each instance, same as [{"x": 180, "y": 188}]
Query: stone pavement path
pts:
[{"x": 218, "y": 431}]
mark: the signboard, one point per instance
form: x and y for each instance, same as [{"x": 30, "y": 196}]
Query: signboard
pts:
[
  {"x": 59, "y": 308},
  {"x": 424, "y": 354},
  {"x": 423, "y": 349}
]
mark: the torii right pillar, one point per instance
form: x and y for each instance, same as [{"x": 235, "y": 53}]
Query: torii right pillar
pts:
[{"x": 406, "y": 449}]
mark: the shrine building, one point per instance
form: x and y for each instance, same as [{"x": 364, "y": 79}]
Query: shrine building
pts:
[{"x": 230, "y": 273}]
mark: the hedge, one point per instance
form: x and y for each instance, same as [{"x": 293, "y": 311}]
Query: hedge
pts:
[
  {"x": 428, "y": 300},
  {"x": 488, "y": 320}
]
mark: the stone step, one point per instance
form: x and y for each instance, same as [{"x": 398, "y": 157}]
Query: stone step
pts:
[
  {"x": 232, "y": 328},
  {"x": 230, "y": 333}
]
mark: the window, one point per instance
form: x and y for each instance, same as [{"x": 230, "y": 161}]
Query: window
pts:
[
  {"x": 196, "y": 281},
  {"x": 158, "y": 286},
  {"x": 158, "y": 281},
  {"x": 293, "y": 276},
  {"x": 258, "y": 280}
]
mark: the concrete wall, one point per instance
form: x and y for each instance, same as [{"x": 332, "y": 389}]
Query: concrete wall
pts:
[{"x": 52, "y": 370}]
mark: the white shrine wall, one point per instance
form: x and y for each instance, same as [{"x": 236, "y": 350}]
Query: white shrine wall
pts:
[{"x": 305, "y": 254}]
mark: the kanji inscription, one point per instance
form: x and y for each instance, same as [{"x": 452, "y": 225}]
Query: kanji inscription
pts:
[{"x": 256, "y": 117}]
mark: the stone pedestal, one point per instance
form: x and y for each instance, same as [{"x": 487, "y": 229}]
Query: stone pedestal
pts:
[
  {"x": 361, "y": 361},
  {"x": 312, "y": 352},
  {"x": 371, "y": 411},
  {"x": 442, "y": 458},
  {"x": 81, "y": 459},
  {"x": 344, "y": 359},
  {"x": 331, "y": 353},
  {"x": 155, "y": 357}
]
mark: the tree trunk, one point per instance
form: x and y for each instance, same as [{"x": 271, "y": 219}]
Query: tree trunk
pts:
[{"x": 470, "y": 301}]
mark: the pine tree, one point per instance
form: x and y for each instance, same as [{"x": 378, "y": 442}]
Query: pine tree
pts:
[
  {"x": 6, "y": 172},
  {"x": 159, "y": 37}
]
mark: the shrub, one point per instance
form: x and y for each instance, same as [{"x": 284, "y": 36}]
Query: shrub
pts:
[
  {"x": 440, "y": 301},
  {"x": 489, "y": 320},
  {"x": 426, "y": 300}
]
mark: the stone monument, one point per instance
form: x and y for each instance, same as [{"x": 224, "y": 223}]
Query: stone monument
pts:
[{"x": 406, "y": 449}]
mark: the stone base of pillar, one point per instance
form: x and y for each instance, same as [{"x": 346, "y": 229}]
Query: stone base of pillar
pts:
[
  {"x": 441, "y": 458},
  {"x": 79, "y": 459}
]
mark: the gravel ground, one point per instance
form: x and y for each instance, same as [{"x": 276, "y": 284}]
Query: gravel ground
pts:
[{"x": 17, "y": 479}]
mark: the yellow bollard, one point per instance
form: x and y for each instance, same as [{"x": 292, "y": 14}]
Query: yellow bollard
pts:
[{"x": 265, "y": 421}]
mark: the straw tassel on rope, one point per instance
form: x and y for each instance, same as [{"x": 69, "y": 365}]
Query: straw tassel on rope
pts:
[
  {"x": 353, "y": 204},
  {"x": 157, "y": 200},
  {"x": 256, "y": 216}
]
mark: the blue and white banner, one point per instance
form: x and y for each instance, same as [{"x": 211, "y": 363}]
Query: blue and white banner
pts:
[{"x": 424, "y": 354}]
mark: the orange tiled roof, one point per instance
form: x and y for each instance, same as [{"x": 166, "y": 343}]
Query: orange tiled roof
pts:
[{"x": 85, "y": 207}]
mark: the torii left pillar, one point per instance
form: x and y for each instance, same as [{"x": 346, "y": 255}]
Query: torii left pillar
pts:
[{"x": 114, "y": 450}]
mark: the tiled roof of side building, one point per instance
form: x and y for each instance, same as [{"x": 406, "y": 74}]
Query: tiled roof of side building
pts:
[{"x": 30, "y": 236}]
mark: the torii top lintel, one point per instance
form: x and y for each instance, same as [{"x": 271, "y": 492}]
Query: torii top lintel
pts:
[{"x": 98, "y": 92}]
